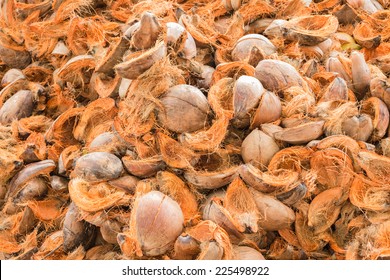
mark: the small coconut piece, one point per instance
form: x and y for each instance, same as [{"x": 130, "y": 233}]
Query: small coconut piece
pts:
[
  {"x": 244, "y": 46},
  {"x": 11, "y": 76},
  {"x": 258, "y": 148},
  {"x": 380, "y": 87},
  {"x": 247, "y": 253},
  {"x": 211, "y": 179},
  {"x": 159, "y": 221},
  {"x": 19, "y": 105},
  {"x": 301, "y": 134},
  {"x": 186, "y": 248},
  {"x": 274, "y": 215},
  {"x": 325, "y": 208},
  {"x": 358, "y": 127},
  {"x": 309, "y": 241},
  {"x": 98, "y": 166},
  {"x": 379, "y": 113},
  {"x": 143, "y": 168},
  {"x": 361, "y": 75},
  {"x": 145, "y": 36},
  {"x": 185, "y": 109},
  {"x": 366, "y": 36},
  {"x": 13, "y": 55},
  {"x": 214, "y": 211},
  {"x": 294, "y": 195},
  {"x": 175, "y": 34},
  {"x": 174, "y": 187},
  {"x": 337, "y": 90},
  {"x": 30, "y": 171},
  {"x": 247, "y": 92},
  {"x": 269, "y": 109},
  {"x": 137, "y": 63},
  {"x": 76, "y": 232},
  {"x": 232, "y": 4},
  {"x": 276, "y": 75},
  {"x": 339, "y": 64},
  {"x": 310, "y": 30}
]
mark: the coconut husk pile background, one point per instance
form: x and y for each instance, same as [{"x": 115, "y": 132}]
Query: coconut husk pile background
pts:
[{"x": 194, "y": 129}]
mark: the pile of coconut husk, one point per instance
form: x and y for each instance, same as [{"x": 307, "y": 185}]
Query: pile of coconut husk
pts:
[{"x": 201, "y": 130}]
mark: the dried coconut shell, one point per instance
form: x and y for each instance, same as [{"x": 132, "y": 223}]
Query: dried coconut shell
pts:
[
  {"x": 104, "y": 85},
  {"x": 379, "y": 113},
  {"x": 159, "y": 221},
  {"x": 301, "y": 134},
  {"x": 342, "y": 142},
  {"x": 206, "y": 231},
  {"x": 27, "y": 173},
  {"x": 243, "y": 47},
  {"x": 381, "y": 88},
  {"x": 145, "y": 36},
  {"x": 258, "y": 148},
  {"x": 358, "y": 127},
  {"x": 143, "y": 167},
  {"x": 76, "y": 232},
  {"x": 269, "y": 109},
  {"x": 240, "y": 204},
  {"x": 276, "y": 75},
  {"x": 247, "y": 92},
  {"x": 97, "y": 167},
  {"x": 293, "y": 158},
  {"x": 102, "y": 109},
  {"x": 325, "y": 208},
  {"x": 219, "y": 98},
  {"x": 274, "y": 215},
  {"x": 19, "y": 105},
  {"x": 214, "y": 211},
  {"x": 309, "y": 241},
  {"x": 139, "y": 62},
  {"x": 184, "y": 109},
  {"x": 211, "y": 179},
  {"x": 186, "y": 248}
]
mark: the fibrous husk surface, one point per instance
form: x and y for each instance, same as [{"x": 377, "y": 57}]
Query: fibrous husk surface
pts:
[{"x": 196, "y": 130}]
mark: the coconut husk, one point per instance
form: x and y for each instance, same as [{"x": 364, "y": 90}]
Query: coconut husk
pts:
[
  {"x": 291, "y": 158},
  {"x": 103, "y": 110},
  {"x": 376, "y": 236},
  {"x": 333, "y": 167},
  {"x": 241, "y": 206},
  {"x": 94, "y": 197},
  {"x": 309, "y": 241},
  {"x": 376, "y": 167},
  {"x": 208, "y": 230},
  {"x": 369, "y": 195}
]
